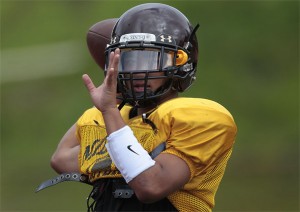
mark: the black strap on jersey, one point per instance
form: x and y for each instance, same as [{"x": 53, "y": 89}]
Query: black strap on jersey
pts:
[
  {"x": 78, "y": 177},
  {"x": 155, "y": 152}
]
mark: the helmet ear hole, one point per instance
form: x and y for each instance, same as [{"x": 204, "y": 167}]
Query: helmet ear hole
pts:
[{"x": 181, "y": 58}]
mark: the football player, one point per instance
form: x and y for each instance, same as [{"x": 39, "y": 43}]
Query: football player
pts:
[{"x": 155, "y": 151}]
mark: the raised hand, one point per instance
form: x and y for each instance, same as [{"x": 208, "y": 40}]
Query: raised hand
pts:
[{"x": 104, "y": 96}]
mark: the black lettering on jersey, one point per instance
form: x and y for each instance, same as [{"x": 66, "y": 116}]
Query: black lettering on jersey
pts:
[
  {"x": 145, "y": 137},
  {"x": 97, "y": 148},
  {"x": 103, "y": 160}
]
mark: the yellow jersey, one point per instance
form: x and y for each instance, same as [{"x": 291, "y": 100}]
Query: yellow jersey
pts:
[{"x": 199, "y": 131}]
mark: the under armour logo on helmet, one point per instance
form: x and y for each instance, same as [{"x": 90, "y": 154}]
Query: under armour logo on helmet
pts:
[
  {"x": 169, "y": 38},
  {"x": 113, "y": 40}
]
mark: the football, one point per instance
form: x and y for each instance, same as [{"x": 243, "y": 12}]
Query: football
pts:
[{"x": 98, "y": 36}]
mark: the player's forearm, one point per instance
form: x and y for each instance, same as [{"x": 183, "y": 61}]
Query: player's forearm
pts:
[
  {"x": 161, "y": 179},
  {"x": 147, "y": 187},
  {"x": 66, "y": 160},
  {"x": 113, "y": 120}
]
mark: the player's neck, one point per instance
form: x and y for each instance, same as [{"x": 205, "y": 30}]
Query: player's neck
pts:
[{"x": 172, "y": 95}]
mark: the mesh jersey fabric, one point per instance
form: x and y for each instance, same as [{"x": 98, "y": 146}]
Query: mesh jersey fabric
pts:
[{"x": 200, "y": 131}]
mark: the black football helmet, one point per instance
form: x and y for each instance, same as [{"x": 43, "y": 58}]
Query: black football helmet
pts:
[{"x": 154, "y": 38}]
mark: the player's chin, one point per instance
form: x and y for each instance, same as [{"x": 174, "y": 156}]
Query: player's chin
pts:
[{"x": 139, "y": 89}]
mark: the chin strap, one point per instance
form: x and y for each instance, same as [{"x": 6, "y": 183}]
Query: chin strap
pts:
[{"x": 121, "y": 105}]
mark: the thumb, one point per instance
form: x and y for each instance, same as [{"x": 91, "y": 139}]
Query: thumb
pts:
[{"x": 88, "y": 83}]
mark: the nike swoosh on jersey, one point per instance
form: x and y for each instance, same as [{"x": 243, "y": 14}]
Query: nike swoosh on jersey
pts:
[{"x": 129, "y": 147}]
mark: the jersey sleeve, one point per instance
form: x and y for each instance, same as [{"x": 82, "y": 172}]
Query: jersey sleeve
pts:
[{"x": 200, "y": 135}]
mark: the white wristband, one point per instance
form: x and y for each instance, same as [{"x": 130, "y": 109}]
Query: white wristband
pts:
[{"x": 127, "y": 153}]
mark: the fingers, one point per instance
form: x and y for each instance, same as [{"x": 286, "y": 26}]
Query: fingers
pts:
[
  {"x": 112, "y": 71},
  {"x": 111, "y": 77},
  {"x": 110, "y": 81},
  {"x": 114, "y": 59},
  {"x": 88, "y": 83}
]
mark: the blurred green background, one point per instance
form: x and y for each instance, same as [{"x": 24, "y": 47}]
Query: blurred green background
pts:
[{"x": 249, "y": 62}]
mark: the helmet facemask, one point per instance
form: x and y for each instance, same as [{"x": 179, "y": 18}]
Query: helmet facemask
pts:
[{"x": 140, "y": 64}]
